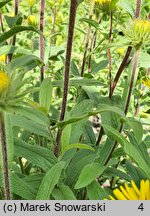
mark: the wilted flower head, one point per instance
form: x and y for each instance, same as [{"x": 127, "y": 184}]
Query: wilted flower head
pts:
[
  {"x": 138, "y": 32},
  {"x": 133, "y": 192}
]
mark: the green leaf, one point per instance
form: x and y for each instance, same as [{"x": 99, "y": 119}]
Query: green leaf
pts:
[
  {"x": 105, "y": 151},
  {"x": 74, "y": 69},
  {"x": 137, "y": 128},
  {"x": 96, "y": 67},
  {"x": 22, "y": 62},
  {"x": 88, "y": 174},
  {"x": 4, "y": 2},
  {"x": 12, "y": 21},
  {"x": 16, "y": 30},
  {"x": 111, "y": 172},
  {"x": 8, "y": 49},
  {"x": 79, "y": 82},
  {"x": 49, "y": 181},
  {"x": 63, "y": 193},
  {"x": 127, "y": 6},
  {"x": 66, "y": 134},
  {"x": 45, "y": 94},
  {"x": 29, "y": 125},
  {"x": 95, "y": 191},
  {"x": 144, "y": 60},
  {"x": 78, "y": 146},
  {"x": 90, "y": 22},
  {"x": 80, "y": 159},
  {"x": 136, "y": 174},
  {"x": 34, "y": 180},
  {"x": 103, "y": 108},
  {"x": 20, "y": 187},
  {"x": 33, "y": 114},
  {"x": 39, "y": 156},
  {"x": 129, "y": 149}
]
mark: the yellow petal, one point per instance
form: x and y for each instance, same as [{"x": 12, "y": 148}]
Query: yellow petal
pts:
[
  {"x": 125, "y": 192},
  {"x": 142, "y": 190},
  {"x": 119, "y": 195},
  {"x": 131, "y": 192},
  {"x": 111, "y": 197},
  {"x": 147, "y": 190},
  {"x": 135, "y": 188}
]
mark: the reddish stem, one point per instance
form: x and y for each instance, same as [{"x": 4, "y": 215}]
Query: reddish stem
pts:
[
  {"x": 73, "y": 8},
  {"x": 41, "y": 38}
]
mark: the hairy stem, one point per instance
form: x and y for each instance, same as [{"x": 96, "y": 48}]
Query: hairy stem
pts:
[
  {"x": 41, "y": 38},
  {"x": 138, "y": 8},
  {"x": 14, "y": 37},
  {"x": 126, "y": 57},
  {"x": 135, "y": 64},
  {"x": 109, "y": 54},
  {"x": 73, "y": 9},
  {"x": 120, "y": 70},
  {"x": 16, "y": 13},
  {"x": 4, "y": 157},
  {"x": 92, "y": 46}
]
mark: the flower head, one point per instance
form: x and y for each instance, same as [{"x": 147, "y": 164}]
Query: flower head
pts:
[
  {"x": 104, "y": 5},
  {"x": 138, "y": 32},
  {"x": 133, "y": 192},
  {"x": 4, "y": 81}
]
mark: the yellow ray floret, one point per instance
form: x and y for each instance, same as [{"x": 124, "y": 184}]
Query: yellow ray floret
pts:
[{"x": 133, "y": 192}]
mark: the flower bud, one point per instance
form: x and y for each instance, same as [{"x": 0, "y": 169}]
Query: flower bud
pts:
[
  {"x": 31, "y": 2},
  {"x": 32, "y": 20}
]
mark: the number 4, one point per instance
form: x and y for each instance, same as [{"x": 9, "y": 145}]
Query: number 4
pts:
[{"x": 141, "y": 207}]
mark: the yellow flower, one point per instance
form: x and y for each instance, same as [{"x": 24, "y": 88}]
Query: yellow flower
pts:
[
  {"x": 138, "y": 32},
  {"x": 104, "y": 5},
  {"x": 31, "y": 2},
  {"x": 32, "y": 20},
  {"x": 2, "y": 58},
  {"x": 4, "y": 81},
  {"x": 133, "y": 192}
]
